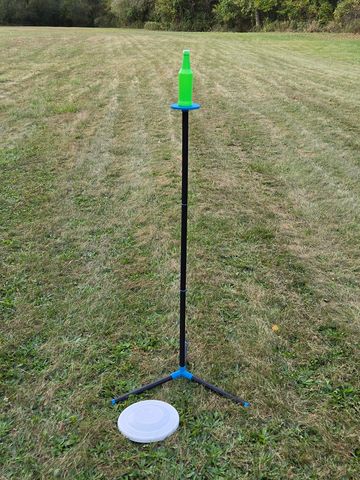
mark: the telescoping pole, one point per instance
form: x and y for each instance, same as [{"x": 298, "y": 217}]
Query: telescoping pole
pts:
[{"x": 183, "y": 254}]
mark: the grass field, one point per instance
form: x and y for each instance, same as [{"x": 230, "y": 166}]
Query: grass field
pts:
[{"x": 90, "y": 205}]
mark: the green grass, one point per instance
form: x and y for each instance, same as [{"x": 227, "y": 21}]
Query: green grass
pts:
[{"x": 90, "y": 182}]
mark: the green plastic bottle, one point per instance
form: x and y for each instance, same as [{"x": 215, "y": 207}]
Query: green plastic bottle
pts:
[{"x": 185, "y": 81}]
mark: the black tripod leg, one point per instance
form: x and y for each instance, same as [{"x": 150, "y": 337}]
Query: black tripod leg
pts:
[
  {"x": 141, "y": 389},
  {"x": 221, "y": 392}
]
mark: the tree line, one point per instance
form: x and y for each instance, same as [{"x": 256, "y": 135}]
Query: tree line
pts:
[{"x": 192, "y": 15}]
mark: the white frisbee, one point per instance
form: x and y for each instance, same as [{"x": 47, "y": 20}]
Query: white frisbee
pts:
[{"x": 148, "y": 421}]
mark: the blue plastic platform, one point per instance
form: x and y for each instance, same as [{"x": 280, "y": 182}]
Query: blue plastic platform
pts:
[{"x": 194, "y": 106}]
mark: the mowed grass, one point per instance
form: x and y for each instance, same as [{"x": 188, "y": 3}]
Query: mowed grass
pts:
[{"x": 90, "y": 206}]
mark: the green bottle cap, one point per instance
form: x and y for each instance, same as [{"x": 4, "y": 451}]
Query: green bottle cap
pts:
[
  {"x": 185, "y": 81},
  {"x": 186, "y": 60}
]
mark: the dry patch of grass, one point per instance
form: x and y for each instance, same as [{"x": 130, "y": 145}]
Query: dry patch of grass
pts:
[{"x": 90, "y": 188}]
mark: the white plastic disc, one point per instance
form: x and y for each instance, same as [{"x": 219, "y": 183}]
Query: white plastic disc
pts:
[{"x": 148, "y": 421}]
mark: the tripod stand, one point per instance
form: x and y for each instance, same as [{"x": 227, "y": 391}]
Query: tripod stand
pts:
[{"x": 182, "y": 371}]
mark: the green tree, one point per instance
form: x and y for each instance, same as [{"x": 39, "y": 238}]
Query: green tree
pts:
[
  {"x": 235, "y": 12},
  {"x": 307, "y": 10},
  {"x": 13, "y": 12},
  {"x": 132, "y": 12},
  {"x": 76, "y": 13},
  {"x": 53, "y": 12},
  {"x": 185, "y": 14},
  {"x": 347, "y": 11},
  {"x": 347, "y": 15},
  {"x": 43, "y": 12},
  {"x": 180, "y": 14}
]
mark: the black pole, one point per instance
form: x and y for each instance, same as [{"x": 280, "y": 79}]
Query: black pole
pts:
[{"x": 184, "y": 200}]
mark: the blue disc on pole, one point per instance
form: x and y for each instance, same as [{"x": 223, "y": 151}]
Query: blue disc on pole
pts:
[{"x": 194, "y": 106}]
